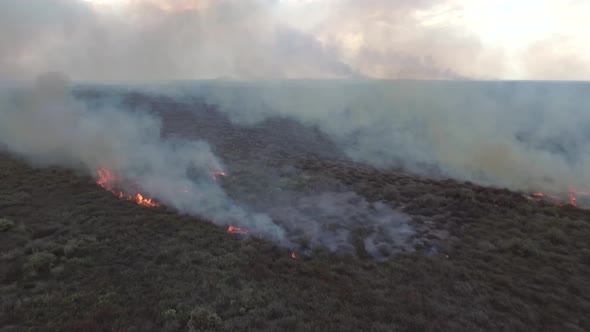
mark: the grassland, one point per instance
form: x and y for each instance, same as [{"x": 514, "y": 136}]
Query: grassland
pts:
[{"x": 75, "y": 258}]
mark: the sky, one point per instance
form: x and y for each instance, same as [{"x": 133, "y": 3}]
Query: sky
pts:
[{"x": 145, "y": 40}]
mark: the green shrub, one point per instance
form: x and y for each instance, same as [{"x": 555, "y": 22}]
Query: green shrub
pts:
[
  {"x": 169, "y": 314},
  {"x": 202, "y": 319},
  {"x": 5, "y": 224},
  {"x": 40, "y": 261}
]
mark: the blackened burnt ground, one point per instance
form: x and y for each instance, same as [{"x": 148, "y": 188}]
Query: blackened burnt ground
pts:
[{"x": 74, "y": 257}]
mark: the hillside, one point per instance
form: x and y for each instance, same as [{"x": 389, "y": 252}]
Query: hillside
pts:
[{"x": 79, "y": 259}]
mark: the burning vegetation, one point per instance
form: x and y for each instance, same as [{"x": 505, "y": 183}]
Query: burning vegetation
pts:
[
  {"x": 111, "y": 183},
  {"x": 572, "y": 199},
  {"x": 236, "y": 230}
]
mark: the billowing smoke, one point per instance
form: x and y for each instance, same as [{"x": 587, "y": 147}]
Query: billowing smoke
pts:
[
  {"x": 45, "y": 125},
  {"x": 524, "y": 136},
  {"x": 138, "y": 40},
  {"x": 143, "y": 40},
  {"x": 519, "y": 135}
]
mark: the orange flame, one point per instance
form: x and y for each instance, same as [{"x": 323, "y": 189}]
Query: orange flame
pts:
[
  {"x": 236, "y": 230},
  {"x": 557, "y": 201},
  {"x": 108, "y": 181},
  {"x": 144, "y": 201},
  {"x": 216, "y": 174}
]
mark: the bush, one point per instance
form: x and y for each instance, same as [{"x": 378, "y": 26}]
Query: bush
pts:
[
  {"x": 464, "y": 194},
  {"x": 556, "y": 236},
  {"x": 429, "y": 200},
  {"x": 5, "y": 224},
  {"x": 40, "y": 261},
  {"x": 202, "y": 319},
  {"x": 520, "y": 247},
  {"x": 391, "y": 193},
  {"x": 169, "y": 314}
]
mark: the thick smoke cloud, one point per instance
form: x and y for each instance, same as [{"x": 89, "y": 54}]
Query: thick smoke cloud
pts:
[
  {"x": 45, "y": 125},
  {"x": 138, "y": 40},
  {"x": 389, "y": 39},
  {"x": 151, "y": 40},
  {"x": 519, "y": 135},
  {"x": 524, "y": 136}
]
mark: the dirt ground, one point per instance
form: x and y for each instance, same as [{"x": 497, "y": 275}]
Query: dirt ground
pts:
[{"x": 73, "y": 257}]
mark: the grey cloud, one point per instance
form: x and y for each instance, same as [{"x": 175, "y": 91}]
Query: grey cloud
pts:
[{"x": 149, "y": 42}]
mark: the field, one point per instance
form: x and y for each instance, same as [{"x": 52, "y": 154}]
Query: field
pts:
[{"x": 76, "y": 258}]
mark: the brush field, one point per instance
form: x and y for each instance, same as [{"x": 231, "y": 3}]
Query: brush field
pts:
[{"x": 73, "y": 257}]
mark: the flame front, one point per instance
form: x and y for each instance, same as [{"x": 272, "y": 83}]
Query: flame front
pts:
[
  {"x": 572, "y": 195},
  {"x": 236, "y": 230},
  {"x": 108, "y": 181}
]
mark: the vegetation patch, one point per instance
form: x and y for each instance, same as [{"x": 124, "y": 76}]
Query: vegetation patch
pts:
[{"x": 5, "y": 224}]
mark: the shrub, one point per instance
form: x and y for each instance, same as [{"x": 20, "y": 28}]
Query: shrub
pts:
[
  {"x": 5, "y": 224},
  {"x": 556, "y": 236},
  {"x": 391, "y": 193},
  {"x": 460, "y": 194},
  {"x": 169, "y": 314},
  {"x": 429, "y": 200},
  {"x": 202, "y": 319},
  {"x": 520, "y": 247},
  {"x": 40, "y": 261}
]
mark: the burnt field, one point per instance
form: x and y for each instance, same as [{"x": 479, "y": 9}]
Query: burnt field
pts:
[{"x": 366, "y": 249}]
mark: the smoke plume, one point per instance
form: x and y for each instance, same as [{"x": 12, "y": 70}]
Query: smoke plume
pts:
[
  {"x": 139, "y": 40},
  {"x": 48, "y": 127},
  {"x": 519, "y": 135}
]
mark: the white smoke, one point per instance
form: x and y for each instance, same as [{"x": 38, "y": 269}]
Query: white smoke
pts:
[
  {"x": 45, "y": 125},
  {"x": 139, "y": 40},
  {"x": 519, "y": 135},
  {"x": 330, "y": 219}
]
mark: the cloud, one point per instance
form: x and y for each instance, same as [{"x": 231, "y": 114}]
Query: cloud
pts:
[
  {"x": 157, "y": 40},
  {"x": 557, "y": 57},
  {"x": 141, "y": 40},
  {"x": 390, "y": 39}
]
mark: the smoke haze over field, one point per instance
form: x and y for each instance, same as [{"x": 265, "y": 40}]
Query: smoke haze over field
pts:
[
  {"x": 325, "y": 64},
  {"x": 46, "y": 126},
  {"x": 520, "y": 135}
]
